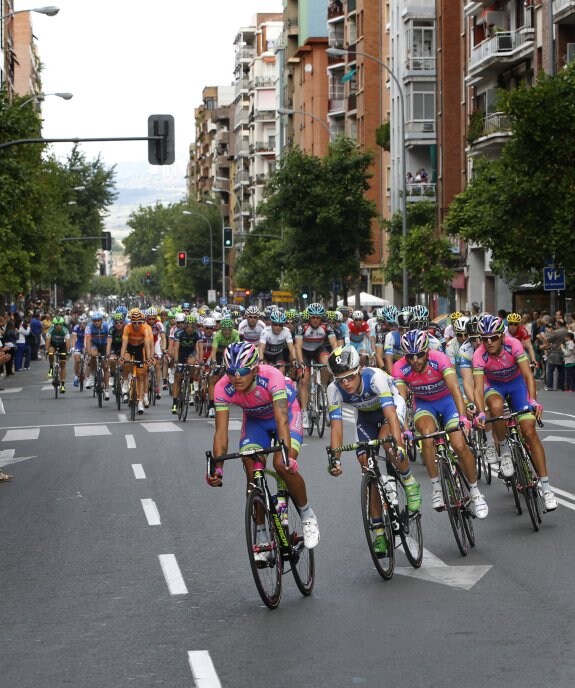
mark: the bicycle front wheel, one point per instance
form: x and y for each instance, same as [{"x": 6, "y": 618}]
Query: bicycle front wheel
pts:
[
  {"x": 133, "y": 398},
  {"x": 267, "y": 570},
  {"x": 98, "y": 386},
  {"x": 301, "y": 559},
  {"x": 452, "y": 500},
  {"x": 409, "y": 528},
  {"x": 466, "y": 516},
  {"x": 186, "y": 401},
  {"x": 321, "y": 408},
  {"x": 383, "y": 551},
  {"x": 525, "y": 483}
]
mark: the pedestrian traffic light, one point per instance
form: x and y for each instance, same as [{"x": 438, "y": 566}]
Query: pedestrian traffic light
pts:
[
  {"x": 161, "y": 151},
  {"x": 182, "y": 259},
  {"x": 228, "y": 237},
  {"x": 106, "y": 241}
]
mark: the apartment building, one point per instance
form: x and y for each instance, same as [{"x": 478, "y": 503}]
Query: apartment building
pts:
[{"x": 19, "y": 63}]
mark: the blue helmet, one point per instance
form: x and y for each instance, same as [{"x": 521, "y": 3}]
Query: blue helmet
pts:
[
  {"x": 414, "y": 342},
  {"x": 122, "y": 309},
  {"x": 390, "y": 313},
  {"x": 490, "y": 325},
  {"x": 315, "y": 309},
  {"x": 278, "y": 317},
  {"x": 240, "y": 355},
  {"x": 96, "y": 315}
]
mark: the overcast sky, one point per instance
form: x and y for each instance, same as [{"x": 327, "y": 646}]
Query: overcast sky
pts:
[{"x": 126, "y": 59}]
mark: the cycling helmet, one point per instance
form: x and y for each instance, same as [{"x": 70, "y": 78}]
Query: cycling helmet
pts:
[
  {"x": 240, "y": 355},
  {"x": 404, "y": 318},
  {"x": 420, "y": 311},
  {"x": 455, "y": 315},
  {"x": 343, "y": 359},
  {"x": 136, "y": 315},
  {"x": 152, "y": 312},
  {"x": 186, "y": 306},
  {"x": 291, "y": 315},
  {"x": 278, "y": 318},
  {"x": 209, "y": 322},
  {"x": 338, "y": 316},
  {"x": 97, "y": 315},
  {"x": 180, "y": 317},
  {"x": 252, "y": 312},
  {"x": 379, "y": 314},
  {"x": 317, "y": 309},
  {"x": 117, "y": 317},
  {"x": 227, "y": 322},
  {"x": 473, "y": 326},
  {"x": 514, "y": 319},
  {"x": 190, "y": 319},
  {"x": 435, "y": 329},
  {"x": 217, "y": 309},
  {"x": 490, "y": 325},
  {"x": 122, "y": 309},
  {"x": 345, "y": 311},
  {"x": 217, "y": 317},
  {"x": 357, "y": 315},
  {"x": 390, "y": 313},
  {"x": 460, "y": 325},
  {"x": 58, "y": 320},
  {"x": 171, "y": 315},
  {"x": 414, "y": 342},
  {"x": 84, "y": 318}
]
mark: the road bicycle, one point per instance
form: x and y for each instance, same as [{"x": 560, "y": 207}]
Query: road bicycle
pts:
[
  {"x": 152, "y": 384},
  {"x": 81, "y": 371},
  {"x": 117, "y": 388},
  {"x": 411, "y": 447},
  {"x": 201, "y": 394},
  {"x": 98, "y": 390},
  {"x": 524, "y": 481},
  {"x": 455, "y": 489},
  {"x": 133, "y": 387},
  {"x": 385, "y": 495},
  {"x": 268, "y": 531},
  {"x": 183, "y": 399},
  {"x": 478, "y": 445},
  {"x": 317, "y": 401},
  {"x": 57, "y": 359}
]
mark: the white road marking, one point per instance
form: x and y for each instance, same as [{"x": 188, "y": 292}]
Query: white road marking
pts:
[
  {"x": 91, "y": 430},
  {"x": 436, "y": 571},
  {"x": 151, "y": 511},
  {"x": 2, "y": 411},
  {"x": 563, "y": 493},
  {"x": 172, "y": 574},
  {"x": 569, "y": 505},
  {"x": 559, "y": 413},
  {"x": 13, "y": 390},
  {"x": 203, "y": 669},
  {"x": 138, "y": 471},
  {"x": 130, "y": 442},
  {"x": 122, "y": 418},
  {"x": 561, "y": 423},
  {"x": 21, "y": 434},
  {"x": 161, "y": 427},
  {"x": 556, "y": 438},
  {"x": 47, "y": 387}
]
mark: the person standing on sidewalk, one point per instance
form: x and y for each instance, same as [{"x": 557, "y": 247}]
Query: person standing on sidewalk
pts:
[{"x": 568, "y": 348}]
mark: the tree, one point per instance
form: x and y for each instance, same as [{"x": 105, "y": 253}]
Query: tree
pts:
[
  {"x": 320, "y": 208},
  {"x": 428, "y": 253},
  {"x": 521, "y": 206}
]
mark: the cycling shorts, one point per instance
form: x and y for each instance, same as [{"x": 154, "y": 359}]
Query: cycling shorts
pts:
[
  {"x": 444, "y": 407},
  {"x": 101, "y": 348},
  {"x": 361, "y": 347},
  {"x": 516, "y": 389},
  {"x": 369, "y": 423},
  {"x": 281, "y": 357},
  {"x": 184, "y": 354},
  {"x": 260, "y": 432},
  {"x": 310, "y": 356},
  {"x": 136, "y": 352},
  {"x": 60, "y": 348}
]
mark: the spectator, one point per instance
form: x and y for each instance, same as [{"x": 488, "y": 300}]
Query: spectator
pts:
[
  {"x": 23, "y": 348},
  {"x": 409, "y": 178},
  {"x": 9, "y": 341},
  {"x": 555, "y": 361},
  {"x": 35, "y": 335},
  {"x": 568, "y": 348}
]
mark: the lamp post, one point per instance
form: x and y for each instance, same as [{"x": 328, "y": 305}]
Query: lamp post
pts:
[
  {"x": 289, "y": 111},
  {"x": 340, "y": 52},
  {"x": 50, "y": 11},
  {"x": 41, "y": 96},
  {"x": 205, "y": 219},
  {"x": 219, "y": 207}
]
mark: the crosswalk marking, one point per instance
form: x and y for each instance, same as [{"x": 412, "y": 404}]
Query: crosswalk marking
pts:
[
  {"x": 21, "y": 434},
  {"x": 12, "y": 390},
  {"x": 161, "y": 427},
  {"x": 91, "y": 430}
]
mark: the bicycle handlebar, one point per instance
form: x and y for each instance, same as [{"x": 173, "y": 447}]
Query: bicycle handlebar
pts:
[
  {"x": 211, "y": 461},
  {"x": 510, "y": 416},
  {"x": 359, "y": 445}
]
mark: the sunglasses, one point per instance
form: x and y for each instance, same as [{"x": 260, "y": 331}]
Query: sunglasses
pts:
[
  {"x": 489, "y": 340},
  {"x": 238, "y": 372},
  {"x": 459, "y": 334},
  {"x": 476, "y": 338},
  {"x": 411, "y": 357},
  {"x": 346, "y": 378}
]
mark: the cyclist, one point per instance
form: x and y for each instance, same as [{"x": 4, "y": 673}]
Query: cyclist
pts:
[
  {"x": 359, "y": 335},
  {"x": 276, "y": 342},
  {"x": 380, "y": 411},
  {"x": 270, "y": 410},
  {"x": 313, "y": 342},
  {"x": 96, "y": 343},
  {"x": 222, "y": 339},
  {"x": 137, "y": 345},
  {"x": 114, "y": 345},
  {"x": 159, "y": 347},
  {"x": 449, "y": 332},
  {"x": 251, "y": 327},
  {"x": 58, "y": 340},
  {"x": 402, "y": 323},
  {"x": 432, "y": 380},
  {"x": 517, "y": 330},
  {"x": 186, "y": 349},
  {"x": 501, "y": 361},
  {"x": 77, "y": 345}
]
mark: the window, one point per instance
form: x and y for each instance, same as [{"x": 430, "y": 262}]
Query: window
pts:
[{"x": 421, "y": 102}]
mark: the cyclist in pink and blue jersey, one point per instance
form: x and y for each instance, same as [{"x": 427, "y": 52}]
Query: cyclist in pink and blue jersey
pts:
[{"x": 436, "y": 395}]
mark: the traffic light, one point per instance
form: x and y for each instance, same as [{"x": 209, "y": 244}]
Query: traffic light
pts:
[
  {"x": 182, "y": 259},
  {"x": 106, "y": 241},
  {"x": 161, "y": 151},
  {"x": 228, "y": 237}
]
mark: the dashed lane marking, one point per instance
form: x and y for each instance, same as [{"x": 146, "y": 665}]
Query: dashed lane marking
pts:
[
  {"x": 130, "y": 442},
  {"x": 161, "y": 427},
  {"x": 203, "y": 669},
  {"x": 173, "y": 576},
  {"x": 151, "y": 512},
  {"x": 12, "y": 390},
  {"x": 91, "y": 430},
  {"x": 138, "y": 471}
]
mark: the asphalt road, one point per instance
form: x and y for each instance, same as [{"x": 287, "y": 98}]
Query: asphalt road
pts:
[{"x": 120, "y": 567}]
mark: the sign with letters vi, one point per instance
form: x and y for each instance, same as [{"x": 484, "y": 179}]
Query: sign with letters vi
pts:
[{"x": 553, "y": 279}]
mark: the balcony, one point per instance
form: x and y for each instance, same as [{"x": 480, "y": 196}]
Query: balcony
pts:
[
  {"x": 221, "y": 114},
  {"x": 264, "y": 82},
  {"x": 420, "y": 192},
  {"x": 336, "y": 105},
  {"x": 352, "y": 102},
  {"x": 419, "y": 132},
  {"x": 222, "y": 161},
  {"x": 242, "y": 177},
  {"x": 494, "y": 133},
  {"x": 564, "y": 11},
  {"x": 501, "y": 50},
  {"x": 245, "y": 55},
  {"x": 265, "y": 146},
  {"x": 242, "y": 84},
  {"x": 420, "y": 66},
  {"x": 243, "y": 149},
  {"x": 261, "y": 179},
  {"x": 265, "y": 115},
  {"x": 223, "y": 137},
  {"x": 335, "y": 9},
  {"x": 292, "y": 26}
]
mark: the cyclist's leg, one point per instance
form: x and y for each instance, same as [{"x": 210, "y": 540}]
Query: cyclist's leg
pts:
[
  {"x": 425, "y": 420},
  {"x": 303, "y": 386},
  {"x": 63, "y": 357}
]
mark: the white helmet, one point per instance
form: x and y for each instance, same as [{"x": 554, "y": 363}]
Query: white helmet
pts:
[
  {"x": 180, "y": 317},
  {"x": 210, "y": 322},
  {"x": 217, "y": 317},
  {"x": 357, "y": 315}
]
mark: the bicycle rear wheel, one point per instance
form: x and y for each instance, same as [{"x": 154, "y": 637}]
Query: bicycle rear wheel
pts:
[
  {"x": 525, "y": 483},
  {"x": 56, "y": 377},
  {"x": 186, "y": 401},
  {"x": 152, "y": 385},
  {"x": 267, "y": 574},
  {"x": 465, "y": 505},
  {"x": 371, "y": 503},
  {"x": 409, "y": 528},
  {"x": 321, "y": 408},
  {"x": 81, "y": 376},
  {"x": 301, "y": 559},
  {"x": 199, "y": 398},
  {"x": 133, "y": 398},
  {"x": 310, "y": 414},
  {"x": 452, "y": 501}
]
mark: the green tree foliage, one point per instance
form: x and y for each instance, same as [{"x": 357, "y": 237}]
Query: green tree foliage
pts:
[
  {"x": 429, "y": 256},
  {"x": 521, "y": 206},
  {"x": 320, "y": 208}
]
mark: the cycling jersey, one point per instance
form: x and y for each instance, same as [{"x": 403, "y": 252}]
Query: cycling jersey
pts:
[
  {"x": 157, "y": 329},
  {"x": 357, "y": 331},
  {"x": 392, "y": 345},
  {"x": 501, "y": 368},
  {"x": 430, "y": 383},
  {"x": 115, "y": 335},
  {"x": 58, "y": 337},
  {"x": 380, "y": 334},
  {"x": 275, "y": 343},
  {"x": 207, "y": 341},
  {"x": 251, "y": 334},
  {"x": 98, "y": 335},
  {"x": 220, "y": 342},
  {"x": 521, "y": 334},
  {"x": 187, "y": 342},
  {"x": 314, "y": 338},
  {"x": 137, "y": 337},
  {"x": 80, "y": 332},
  {"x": 377, "y": 391}
]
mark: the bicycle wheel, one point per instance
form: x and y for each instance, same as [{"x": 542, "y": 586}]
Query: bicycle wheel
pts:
[
  {"x": 81, "y": 376},
  {"x": 199, "y": 398},
  {"x": 409, "y": 528},
  {"x": 452, "y": 501},
  {"x": 302, "y": 560},
  {"x": 466, "y": 515},
  {"x": 267, "y": 574},
  {"x": 133, "y": 398},
  {"x": 186, "y": 400},
  {"x": 525, "y": 482},
  {"x": 152, "y": 385},
  {"x": 321, "y": 406},
  {"x": 371, "y": 501},
  {"x": 99, "y": 386},
  {"x": 118, "y": 389},
  {"x": 479, "y": 448},
  {"x": 56, "y": 377}
]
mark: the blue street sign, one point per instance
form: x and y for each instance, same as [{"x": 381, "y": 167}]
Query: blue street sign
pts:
[
  {"x": 205, "y": 260},
  {"x": 223, "y": 301},
  {"x": 335, "y": 286},
  {"x": 553, "y": 279}
]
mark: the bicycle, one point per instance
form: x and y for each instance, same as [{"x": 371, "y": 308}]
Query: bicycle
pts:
[
  {"x": 183, "y": 400},
  {"x": 455, "y": 489},
  {"x": 478, "y": 446},
  {"x": 82, "y": 372},
  {"x": 283, "y": 543},
  {"x": 201, "y": 394},
  {"x": 385, "y": 494},
  {"x": 152, "y": 384},
  {"x": 57, "y": 358},
  {"x": 117, "y": 388},
  {"x": 98, "y": 389},
  {"x": 133, "y": 387},
  {"x": 524, "y": 481},
  {"x": 317, "y": 402}
]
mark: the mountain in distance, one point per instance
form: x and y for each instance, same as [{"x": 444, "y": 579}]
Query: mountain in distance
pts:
[{"x": 140, "y": 184}]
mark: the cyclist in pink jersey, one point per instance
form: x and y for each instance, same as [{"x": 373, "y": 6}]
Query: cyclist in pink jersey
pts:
[
  {"x": 502, "y": 362},
  {"x": 270, "y": 410},
  {"x": 433, "y": 381}
]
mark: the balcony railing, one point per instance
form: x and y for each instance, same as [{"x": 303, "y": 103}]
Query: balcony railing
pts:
[
  {"x": 352, "y": 101},
  {"x": 420, "y": 127},
  {"x": 265, "y": 146},
  {"x": 420, "y": 64},
  {"x": 336, "y": 104},
  {"x": 264, "y": 81},
  {"x": 262, "y": 115},
  {"x": 501, "y": 45},
  {"x": 560, "y": 6},
  {"x": 496, "y": 122},
  {"x": 242, "y": 85},
  {"x": 292, "y": 26},
  {"x": 246, "y": 54},
  {"x": 242, "y": 178},
  {"x": 243, "y": 149},
  {"x": 418, "y": 191}
]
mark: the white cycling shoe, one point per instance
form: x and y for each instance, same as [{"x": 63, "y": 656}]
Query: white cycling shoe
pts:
[{"x": 310, "y": 530}]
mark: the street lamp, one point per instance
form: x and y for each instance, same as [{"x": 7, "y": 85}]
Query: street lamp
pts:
[
  {"x": 219, "y": 207},
  {"x": 289, "y": 111},
  {"x": 205, "y": 219},
  {"x": 341, "y": 52},
  {"x": 50, "y": 11},
  {"x": 41, "y": 96}
]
